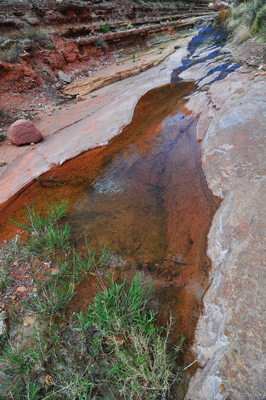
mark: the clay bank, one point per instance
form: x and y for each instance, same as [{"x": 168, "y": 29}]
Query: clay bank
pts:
[{"x": 230, "y": 336}]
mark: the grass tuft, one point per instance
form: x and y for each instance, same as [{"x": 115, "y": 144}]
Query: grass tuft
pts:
[
  {"x": 45, "y": 235},
  {"x": 113, "y": 350}
]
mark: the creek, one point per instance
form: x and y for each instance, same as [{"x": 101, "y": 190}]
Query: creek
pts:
[{"x": 145, "y": 196}]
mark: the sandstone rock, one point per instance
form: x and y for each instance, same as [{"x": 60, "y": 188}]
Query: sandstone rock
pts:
[
  {"x": 24, "y": 132},
  {"x": 63, "y": 77},
  {"x": 80, "y": 98},
  {"x": 220, "y": 5}
]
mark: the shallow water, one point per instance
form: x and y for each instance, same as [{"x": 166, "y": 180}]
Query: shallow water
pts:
[
  {"x": 150, "y": 203},
  {"x": 146, "y": 197}
]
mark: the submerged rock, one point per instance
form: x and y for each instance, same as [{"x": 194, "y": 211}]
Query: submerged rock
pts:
[{"x": 24, "y": 132}]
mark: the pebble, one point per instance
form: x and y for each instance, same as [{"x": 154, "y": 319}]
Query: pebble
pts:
[
  {"x": 29, "y": 320},
  {"x": 21, "y": 289},
  {"x": 2, "y": 163},
  {"x": 80, "y": 98}
]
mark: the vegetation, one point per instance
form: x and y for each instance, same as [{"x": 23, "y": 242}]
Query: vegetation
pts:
[
  {"x": 246, "y": 20},
  {"x": 105, "y": 27},
  {"x": 100, "y": 43},
  {"x": 12, "y": 43},
  {"x": 112, "y": 350}
]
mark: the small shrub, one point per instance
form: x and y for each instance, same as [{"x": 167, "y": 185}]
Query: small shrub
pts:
[
  {"x": 241, "y": 34},
  {"x": 100, "y": 43},
  {"x": 222, "y": 17},
  {"x": 36, "y": 35},
  {"x": 2, "y": 137},
  {"x": 50, "y": 46},
  {"x": 52, "y": 297},
  {"x": 105, "y": 28},
  {"x": 11, "y": 55}
]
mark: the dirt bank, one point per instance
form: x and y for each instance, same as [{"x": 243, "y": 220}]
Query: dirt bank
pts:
[{"x": 40, "y": 40}]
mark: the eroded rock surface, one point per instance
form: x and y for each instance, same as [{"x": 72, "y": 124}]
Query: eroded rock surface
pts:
[
  {"x": 230, "y": 338},
  {"x": 74, "y": 128}
]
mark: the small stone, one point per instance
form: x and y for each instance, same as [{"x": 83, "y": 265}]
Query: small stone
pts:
[
  {"x": 2, "y": 163},
  {"x": 32, "y": 144},
  {"x": 54, "y": 271},
  {"x": 29, "y": 320},
  {"x": 21, "y": 289},
  {"x": 48, "y": 380},
  {"x": 64, "y": 77},
  {"x": 93, "y": 95},
  {"x": 80, "y": 98}
]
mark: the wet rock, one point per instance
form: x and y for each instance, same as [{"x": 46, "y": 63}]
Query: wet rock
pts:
[
  {"x": 24, "y": 132},
  {"x": 64, "y": 77}
]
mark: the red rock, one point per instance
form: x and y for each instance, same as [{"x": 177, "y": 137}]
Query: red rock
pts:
[
  {"x": 23, "y": 132},
  {"x": 80, "y": 98},
  {"x": 220, "y": 5}
]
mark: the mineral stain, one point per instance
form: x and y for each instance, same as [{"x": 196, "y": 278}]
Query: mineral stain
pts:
[{"x": 146, "y": 196}]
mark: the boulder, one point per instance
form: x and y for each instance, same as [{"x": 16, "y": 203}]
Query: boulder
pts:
[
  {"x": 23, "y": 132},
  {"x": 63, "y": 77},
  {"x": 220, "y": 5}
]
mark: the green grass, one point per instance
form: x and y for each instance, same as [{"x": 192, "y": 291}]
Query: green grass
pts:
[
  {"x": 113, "y": 350},
  {"x": 245, "y": 20},
  {"x": 45, "y": 235},
  {"x": 142, "y": 364},
  {"x": 105, "y": 27}
]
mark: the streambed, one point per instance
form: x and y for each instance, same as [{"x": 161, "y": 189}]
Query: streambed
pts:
[{"x": 146, "y": 197}]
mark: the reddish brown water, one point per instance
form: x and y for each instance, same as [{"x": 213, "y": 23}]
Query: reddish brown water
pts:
[{"x": 145, "y": 195}]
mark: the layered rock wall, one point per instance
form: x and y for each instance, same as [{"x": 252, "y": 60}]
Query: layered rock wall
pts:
[{"x": 16, "y": 15}]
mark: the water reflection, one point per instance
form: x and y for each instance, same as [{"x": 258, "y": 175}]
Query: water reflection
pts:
[{"x": 150, "y": 203}]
